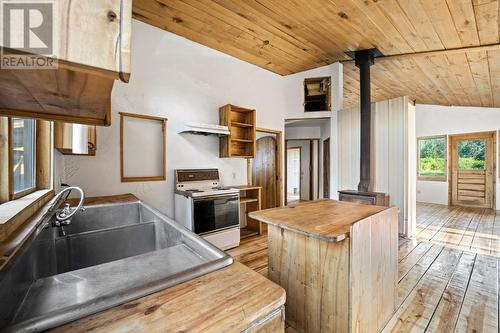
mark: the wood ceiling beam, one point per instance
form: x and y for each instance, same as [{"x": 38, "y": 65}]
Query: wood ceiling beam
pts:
[{"x": 458, "y": 50}]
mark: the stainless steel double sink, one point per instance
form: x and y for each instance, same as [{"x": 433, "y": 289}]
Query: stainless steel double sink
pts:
[{"x": 108, "y": 255}]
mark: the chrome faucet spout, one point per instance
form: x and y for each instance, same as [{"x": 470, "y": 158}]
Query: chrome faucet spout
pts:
[{"x": 64, "y": 216}]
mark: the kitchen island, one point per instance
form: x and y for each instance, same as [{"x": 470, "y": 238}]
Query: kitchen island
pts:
[{"x": 337, "y": 262}]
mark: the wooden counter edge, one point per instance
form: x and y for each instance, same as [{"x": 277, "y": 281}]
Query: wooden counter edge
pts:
[
  {"x": 166, "y": 303},
  {"x": 108, "y": 199}
]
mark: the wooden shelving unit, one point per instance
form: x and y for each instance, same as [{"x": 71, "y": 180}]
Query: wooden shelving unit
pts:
[
  {"x": 250, "y": 202},
  {"x": 241, "y": 140}
]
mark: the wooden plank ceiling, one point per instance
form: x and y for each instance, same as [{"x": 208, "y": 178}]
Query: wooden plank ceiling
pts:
[{"x": 289, "y": 36}]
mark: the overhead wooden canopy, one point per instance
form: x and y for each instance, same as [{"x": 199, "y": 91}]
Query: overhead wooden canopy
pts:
[{"x": 287, "y": 36}]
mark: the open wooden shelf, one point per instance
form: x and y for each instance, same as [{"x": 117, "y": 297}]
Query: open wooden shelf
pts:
[
  {"x": 241, "y": 139},
  {"x": 247, "y": 200},
  {"x": 237, "y": 124},
  {"x": 246, "y": 232},
  {"x": 250, "y": 202}
]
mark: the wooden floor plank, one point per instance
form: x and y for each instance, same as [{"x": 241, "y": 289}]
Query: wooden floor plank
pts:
[
  {"x": 446, "y": 314},
  {"x": 482, "y": 237},
  {"x": 479, "y": 311},
  {"x": 412, "y": 258},
  {"x": 413, "y": 277},
  {"x": 418, "y": 308}
]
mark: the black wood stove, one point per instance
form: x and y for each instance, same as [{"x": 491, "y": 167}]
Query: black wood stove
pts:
[{"x": 364, "y": 194}]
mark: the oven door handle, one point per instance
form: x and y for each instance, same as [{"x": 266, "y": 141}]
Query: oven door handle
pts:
[
  {"x": 221, "y": 201},
  {"x": 218, "y": 197}
]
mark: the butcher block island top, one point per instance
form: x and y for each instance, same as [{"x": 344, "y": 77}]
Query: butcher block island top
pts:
[
  {"x": 337, "y": 261},
  {"x": 328, "y": 220}
]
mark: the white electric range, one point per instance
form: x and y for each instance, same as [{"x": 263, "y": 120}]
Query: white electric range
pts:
[{"x": 206, "y": 208}]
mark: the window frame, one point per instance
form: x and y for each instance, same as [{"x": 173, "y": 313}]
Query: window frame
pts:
[
  {"x": 17, "y": 195},
  {"x": 10, "y": 134},
  {"x": 443, "y": 178}
]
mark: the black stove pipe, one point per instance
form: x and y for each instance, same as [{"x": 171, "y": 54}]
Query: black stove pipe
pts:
[{"x": 363, "y": 60}]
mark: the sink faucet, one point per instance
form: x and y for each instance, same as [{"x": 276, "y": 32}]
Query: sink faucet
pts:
[{"x": 64, "y": 216}]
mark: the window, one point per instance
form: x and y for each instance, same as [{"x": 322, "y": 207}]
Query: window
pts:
[
  {"x": 22, "y": 156},
  {"x": 432, "y": 158},
  {"x": 472, "y": 154}
]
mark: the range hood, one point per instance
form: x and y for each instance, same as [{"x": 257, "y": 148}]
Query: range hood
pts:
[{"x": 205, "y": 129}]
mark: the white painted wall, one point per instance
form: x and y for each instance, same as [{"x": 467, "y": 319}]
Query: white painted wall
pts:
[
  {"x": 302, "y": 132},
  {"x": 393, "y": 154},
  {"x": 184, "y": 81},
  {"x": 443, "y": 120}
]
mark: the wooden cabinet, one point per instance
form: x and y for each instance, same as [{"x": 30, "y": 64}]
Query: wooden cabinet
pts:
[
  {"x": 63, "y": 138},
  {"x": 92, "y": 48},
  {"x": 250, "y": 201},
  {"x": 241, "y": 140}
]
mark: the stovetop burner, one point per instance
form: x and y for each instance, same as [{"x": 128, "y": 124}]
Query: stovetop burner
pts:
[{"x": 221, "y": 188}]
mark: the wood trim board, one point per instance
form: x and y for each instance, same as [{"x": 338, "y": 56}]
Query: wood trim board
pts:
[{"x": 126, "y": 179}]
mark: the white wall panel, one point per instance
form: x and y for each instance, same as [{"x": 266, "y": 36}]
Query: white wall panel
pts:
[{"x": 393, "y": 148}]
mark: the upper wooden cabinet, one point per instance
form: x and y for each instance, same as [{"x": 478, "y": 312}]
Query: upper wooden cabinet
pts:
[
  {"x": 92, "y": 48},
  {"x": 65, "y": 137},
  {"x": 241, "y": 140}
]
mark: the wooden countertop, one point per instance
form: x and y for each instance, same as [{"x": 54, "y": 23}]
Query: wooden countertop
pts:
[
  {"x": 227, "y": 300},
  {"x": 328, "y": 220}
]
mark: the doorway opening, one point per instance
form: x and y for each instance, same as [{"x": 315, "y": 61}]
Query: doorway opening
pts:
[{"x": 312, "y": 136}]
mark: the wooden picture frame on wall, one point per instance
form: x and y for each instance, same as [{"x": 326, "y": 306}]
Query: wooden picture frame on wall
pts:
[{"x": 148, "y": 146}]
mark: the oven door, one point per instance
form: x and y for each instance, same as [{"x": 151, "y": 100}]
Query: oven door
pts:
[{"x": 215, "y": 213}]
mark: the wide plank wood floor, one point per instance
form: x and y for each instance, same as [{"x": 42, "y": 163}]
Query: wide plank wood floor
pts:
[{"x": 449, "y": 275}]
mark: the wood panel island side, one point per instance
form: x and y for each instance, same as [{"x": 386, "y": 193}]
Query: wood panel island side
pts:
[{"x": 337, "y": 262}]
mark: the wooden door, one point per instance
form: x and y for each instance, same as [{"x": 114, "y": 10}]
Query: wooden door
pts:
[
  {"x": 264, "y": 171},
  {"x": 472, "y": 178},
  {"x": 326, "y": 168}
]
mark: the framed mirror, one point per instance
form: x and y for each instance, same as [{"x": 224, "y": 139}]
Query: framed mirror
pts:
[{"x": 142, "y": 147}]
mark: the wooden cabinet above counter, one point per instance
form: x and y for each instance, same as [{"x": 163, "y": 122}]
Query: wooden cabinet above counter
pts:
[
  {"x": 92, "y": 48},
  {"x": 241, "y": 139}
]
